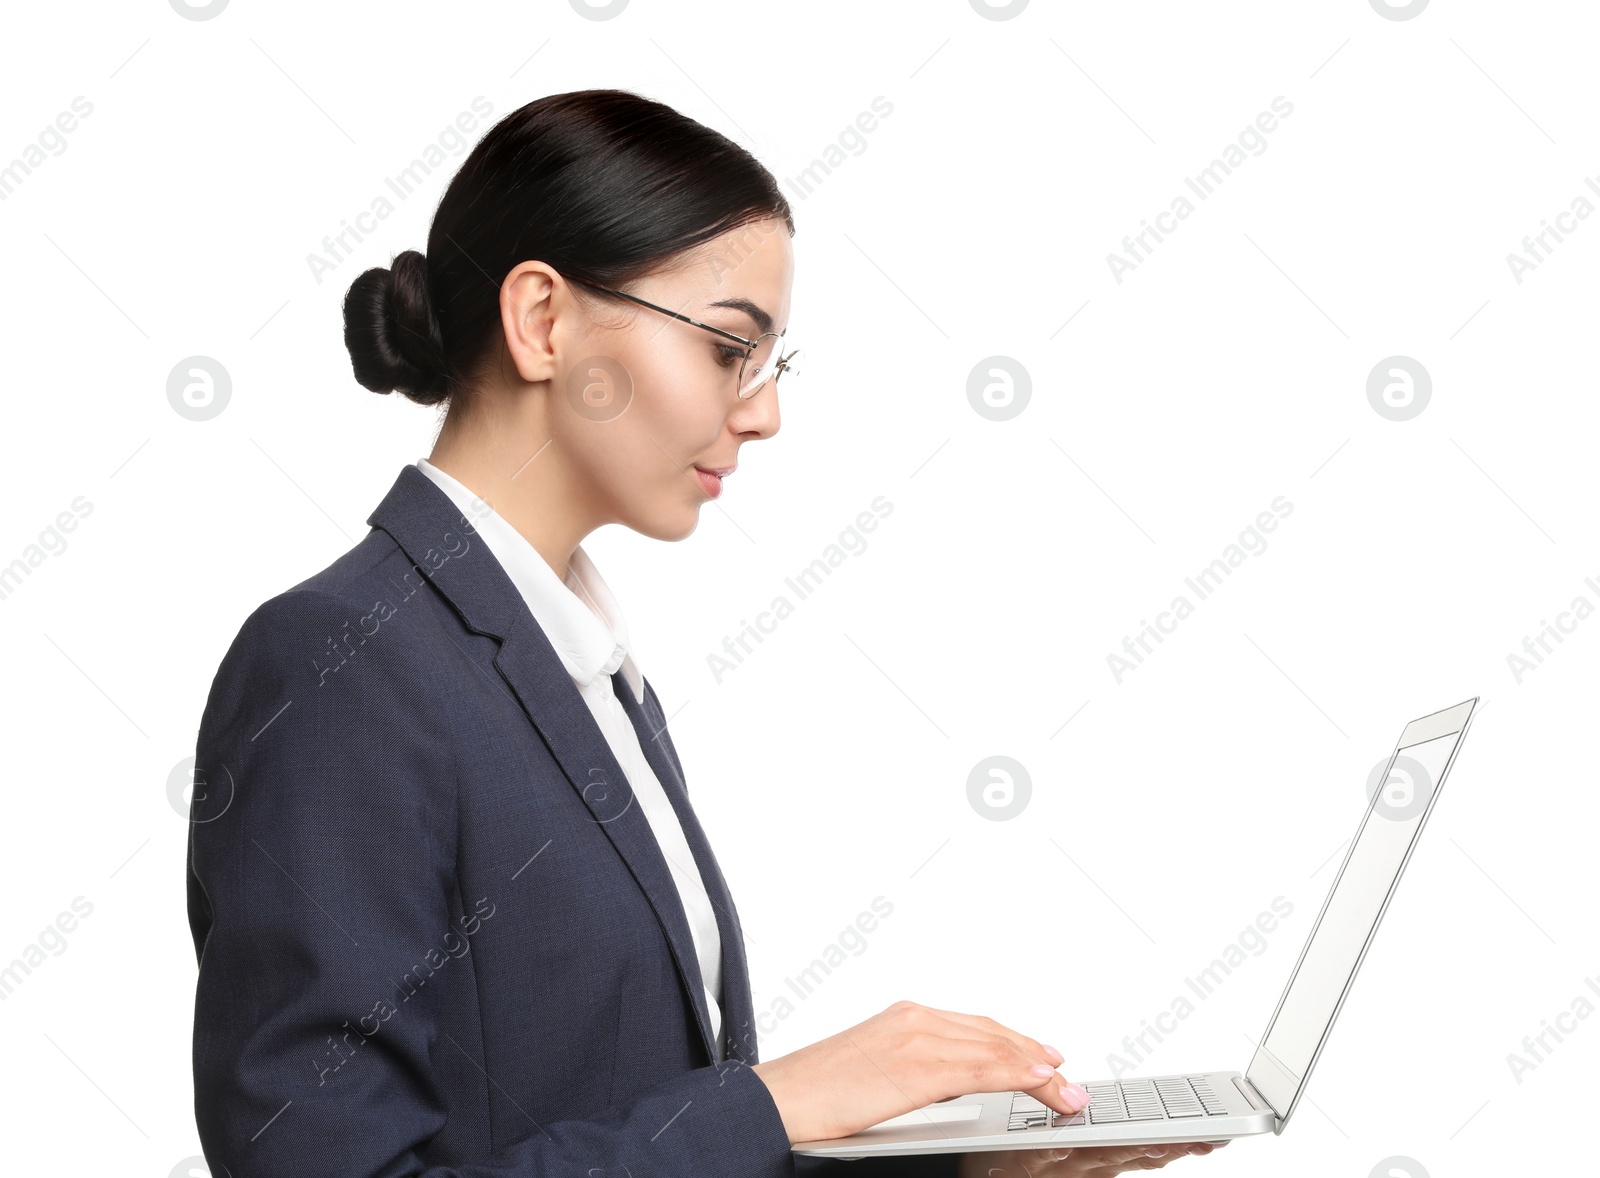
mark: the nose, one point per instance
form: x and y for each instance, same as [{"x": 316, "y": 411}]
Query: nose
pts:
[{"x": 757, "y": 416}]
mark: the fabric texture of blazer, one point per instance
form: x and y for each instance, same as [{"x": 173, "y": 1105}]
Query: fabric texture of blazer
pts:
[{"x": 436, "y": 938}]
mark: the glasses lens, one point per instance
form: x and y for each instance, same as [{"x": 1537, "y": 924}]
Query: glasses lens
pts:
[{"x": 759, "y": 366}]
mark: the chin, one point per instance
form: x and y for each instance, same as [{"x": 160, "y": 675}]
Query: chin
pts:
[{"x": 676, "y": 526}]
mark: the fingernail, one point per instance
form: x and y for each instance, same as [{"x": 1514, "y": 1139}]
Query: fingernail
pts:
[
  {"x": 1054, "y": 1054},
  {"x": 1155, "y": 1151},
  {"x": 1043, "y": 1071},
  {"x": 1074, "y": 1096}
]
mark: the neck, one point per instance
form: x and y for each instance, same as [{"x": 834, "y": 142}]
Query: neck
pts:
[{"x": 503, "y": 453}]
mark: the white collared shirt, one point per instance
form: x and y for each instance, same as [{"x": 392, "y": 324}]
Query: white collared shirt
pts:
[{"x": 581, "y": 619}]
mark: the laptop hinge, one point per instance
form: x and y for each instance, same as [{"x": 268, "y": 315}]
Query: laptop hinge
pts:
[{"x": 1248, "y": 1091}]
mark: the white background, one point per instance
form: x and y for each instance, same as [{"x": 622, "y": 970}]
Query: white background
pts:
[{"x": 1166, "y": 412}]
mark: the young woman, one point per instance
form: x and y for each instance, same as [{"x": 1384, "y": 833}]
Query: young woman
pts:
[{"x": 454, "y": 912}]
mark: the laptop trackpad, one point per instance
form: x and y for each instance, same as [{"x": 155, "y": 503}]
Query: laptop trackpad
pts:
[{"x": 933, "y": 1114}]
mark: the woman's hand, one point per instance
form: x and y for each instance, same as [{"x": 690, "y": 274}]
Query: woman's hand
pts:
[
  {"x": 901, "y": 1059},
  {"x": 1098, "y": 1161}
]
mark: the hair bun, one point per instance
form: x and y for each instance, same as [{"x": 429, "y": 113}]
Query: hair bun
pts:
[{"x": 392, "y": 333}]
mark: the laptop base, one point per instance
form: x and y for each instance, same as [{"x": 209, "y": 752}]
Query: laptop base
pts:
[{"x": 980, "y": 1122}]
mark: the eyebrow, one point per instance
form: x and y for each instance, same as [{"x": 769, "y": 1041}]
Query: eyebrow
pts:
[{"x": 762, "y": 320}]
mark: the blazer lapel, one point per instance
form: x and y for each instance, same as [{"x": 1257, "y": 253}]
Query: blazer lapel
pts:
[
  {"x": 737, "y": 1005},
  {"x": 444, "y": 546}
]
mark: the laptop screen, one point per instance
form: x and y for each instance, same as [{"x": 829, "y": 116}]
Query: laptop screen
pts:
[{"x": 1349, "y": 917}]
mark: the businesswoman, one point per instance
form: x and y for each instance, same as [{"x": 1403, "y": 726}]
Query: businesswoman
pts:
[{"x": 454, "y": 912}]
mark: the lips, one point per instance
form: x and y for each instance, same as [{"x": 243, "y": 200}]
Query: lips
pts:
[
  {"x": 711, "y": 480},
  {"x": 720, "y": 471}
]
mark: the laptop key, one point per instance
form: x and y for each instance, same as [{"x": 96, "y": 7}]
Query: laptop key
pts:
[{"x": 1106, "y": 1115}]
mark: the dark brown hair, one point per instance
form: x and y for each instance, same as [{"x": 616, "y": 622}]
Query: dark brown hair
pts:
[{"x": 600, "y": 184}]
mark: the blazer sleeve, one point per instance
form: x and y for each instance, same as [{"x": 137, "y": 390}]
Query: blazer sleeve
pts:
[
  {"x": 321, "y": 862},
  {"x": 932, "y": 1165}
]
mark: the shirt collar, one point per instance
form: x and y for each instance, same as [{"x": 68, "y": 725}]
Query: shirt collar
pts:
[{"x": 580, "y": 616}]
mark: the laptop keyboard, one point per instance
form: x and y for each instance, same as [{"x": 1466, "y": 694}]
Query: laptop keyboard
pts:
[{"x": 1172, "y": 1099}]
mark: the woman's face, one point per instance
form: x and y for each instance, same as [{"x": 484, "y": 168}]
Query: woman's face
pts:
[{"x": 641, "y": 403}]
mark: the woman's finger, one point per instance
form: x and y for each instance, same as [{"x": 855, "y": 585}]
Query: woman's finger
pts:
[
  {"x": 1045, "y": 1087},
  {"x": 980, "y": 1022},
  {"x": 994, "y": 1063},
  {"x": 1105, "y": 1161}
]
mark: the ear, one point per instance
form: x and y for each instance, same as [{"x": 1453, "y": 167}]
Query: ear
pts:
[{"x": 531, "y": 299}]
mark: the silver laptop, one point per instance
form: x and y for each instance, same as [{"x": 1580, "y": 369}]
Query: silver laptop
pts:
[{"x": 1220, "y": 1105}]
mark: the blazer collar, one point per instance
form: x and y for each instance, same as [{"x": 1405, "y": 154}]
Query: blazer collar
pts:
[
  {"x": 580, "y": 615},
  {"x": 445, "y": 546}
]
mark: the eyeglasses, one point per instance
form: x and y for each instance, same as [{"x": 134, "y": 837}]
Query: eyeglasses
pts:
[{"x": 761, "y": 359}]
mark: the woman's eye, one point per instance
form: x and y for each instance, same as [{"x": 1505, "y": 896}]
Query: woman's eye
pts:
[{"x": 726, "y": 355}]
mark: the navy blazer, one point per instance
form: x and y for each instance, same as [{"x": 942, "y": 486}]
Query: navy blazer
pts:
[{"x": 436, "y": 936}]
